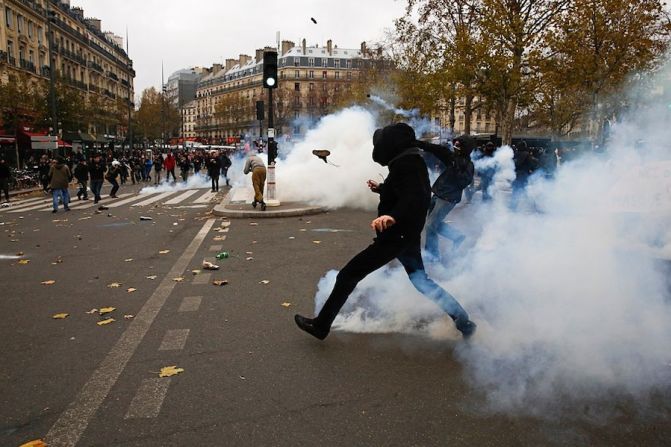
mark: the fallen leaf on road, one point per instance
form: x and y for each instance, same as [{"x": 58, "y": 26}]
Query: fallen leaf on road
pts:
[
  {"x": 128, "y": 260},
  {"x": 164, "y": 252},
  {"x": 48, "y": 282},
  {"x": 178, "y": 279},
  {"x": 219, "y": 238},
  {"x": 105, "y": 322},
  {"x": 131, "y": 289},
  {"x": 106, "y": 310},
  {"x": 92, "y": 311},
  {"x": 242, "y": 378},
  {"x": 249, "y": 258},
  {"x": 20, "y": 253},
  {"x": 84, "y": 218},
  {"x": 170, "y": 371},
  {"x": 286, "y": 304},
  {"x": 59, "y": 260},
  {"x": 316, "y": 242},
  {"x": 303, "y": 229},
  {"x": 291, "y": 237},
  {"x": 128, "y": 317},
  {"x": 249, "y": 253},
  {"x": 253, "y": 224},
  {"x": 114, "y": 285},
  {"x": 265, "y": 281},
  {"x": 152, "y": 277},
  {"x": 35, "y": 443},
  {"x": 218, "y": 282},
  {"x": 60, "y": 316},
  {"x": 195, "y": 272},
  {"x": 24, "y": 261}
]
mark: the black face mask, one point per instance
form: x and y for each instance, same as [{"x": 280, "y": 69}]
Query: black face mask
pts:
[{"x": 390, "y": 141}]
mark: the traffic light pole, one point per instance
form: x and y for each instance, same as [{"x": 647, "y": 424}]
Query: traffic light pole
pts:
[{"x": 271, "y": 189}]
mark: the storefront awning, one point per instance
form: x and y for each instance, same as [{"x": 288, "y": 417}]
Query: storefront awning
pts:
[
  {"x": 87, "y": 138},
  {"x": 7, "y": 140}
]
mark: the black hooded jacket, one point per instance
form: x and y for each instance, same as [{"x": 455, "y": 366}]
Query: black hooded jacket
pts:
[
  {"x": 405, "y": 195},
  {"x": 456, "y": 176}
]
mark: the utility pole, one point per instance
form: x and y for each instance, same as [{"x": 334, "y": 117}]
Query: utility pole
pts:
[
  {"x": 270, "y": 79},
  {"x": 129, "y": 132},
  {"x": 52, "y": 73},
  {"x": 162, "y": 107}
]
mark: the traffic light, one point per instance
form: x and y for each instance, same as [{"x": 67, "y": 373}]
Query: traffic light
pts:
[
  {"x": 270, "y": 69},
  {"x": 259, "y": 110}
]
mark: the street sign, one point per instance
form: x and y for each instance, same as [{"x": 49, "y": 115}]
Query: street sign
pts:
[
  {"x": 271, "y": 133},
  {"x": 47, "y": 142}
]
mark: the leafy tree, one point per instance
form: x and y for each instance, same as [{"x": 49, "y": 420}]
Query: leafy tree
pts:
[{"x": 157, "y": 119}]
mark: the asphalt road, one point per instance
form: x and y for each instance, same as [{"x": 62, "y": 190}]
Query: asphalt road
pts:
[{"x": 250, "y": 378}]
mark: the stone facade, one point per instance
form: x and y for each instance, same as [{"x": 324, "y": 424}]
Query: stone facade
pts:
[{"x": 82, "y": 55}]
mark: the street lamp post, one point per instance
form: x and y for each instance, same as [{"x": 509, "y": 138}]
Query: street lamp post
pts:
[{"x": 52, "y": 73}]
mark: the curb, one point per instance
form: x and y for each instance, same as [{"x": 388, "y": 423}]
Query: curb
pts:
[{"x": 222, "y": 210}]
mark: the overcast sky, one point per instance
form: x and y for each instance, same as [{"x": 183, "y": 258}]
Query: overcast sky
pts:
[{"x": 190, "y": 33}]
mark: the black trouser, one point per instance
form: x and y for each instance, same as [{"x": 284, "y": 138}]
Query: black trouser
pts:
[
  {"x": 215, "y": 183},
  {"x": 167, "y": 176},
  {"x": 4, "y": 185},
  {"x": 115, "y": 186},
  {"x": 96, "y": 187},
  {"x": 376, "y": 255},
  {"x": 45, "y": 182}
]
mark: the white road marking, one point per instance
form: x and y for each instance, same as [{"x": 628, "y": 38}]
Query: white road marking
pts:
[
  {"x": 19, "y": 203},
  {"x": 148, "y": 399},
  {"x": 174, "y": 340},
  {"x": 90, "y": 204},
  {"x": 202, "y": 278},
  {"x": 216, "y": 247},
  {"x": 205, "y": 197},
  {"x": 190, "y": 304},
  {"x": 154, "y": 199},
  {"x": 183, "y": 196},
  {"x": 128, "y": 200},
  {"x": 47, "y": 205},
  {"x": 72, "y": 423}
]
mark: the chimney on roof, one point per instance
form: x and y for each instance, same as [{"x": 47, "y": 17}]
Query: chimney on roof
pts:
[
  {"x": 230, "y": 63},
  {"x": 305, "y": 47},
  {"x": 364, "y": 50},
  {"x": 216, "y": 68},
  {"x": 259, "y": 55},
  {"x": 329, "y": 47},
  {"x": 287, "y": 45},
  {"x": 78, "y": 12},
  {"x": 94, "y": 23},
  {"x": 244, "y": 59}
]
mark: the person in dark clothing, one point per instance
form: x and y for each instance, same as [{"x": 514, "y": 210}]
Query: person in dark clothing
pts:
[
  {"x": 486, "y": 173},
  {"x": 158, "y": 167},
  {"x": 112, "y": 174},
  {"x": 82, "y": 176},
  {"x": 447, "y": 191},
  {"x": 225, "y": 164},
  {"x": 197, "y": 163},
  {"x": 213, "y": 169},
  {"x": 43, "y": 168},
  {"x": 97, "y": 173},
  {"x": 184, "y": 166},
  {"x": 525, "y": 165},
  {"x": 404, "y": 201},
  {"x": 5, "y": 175}
]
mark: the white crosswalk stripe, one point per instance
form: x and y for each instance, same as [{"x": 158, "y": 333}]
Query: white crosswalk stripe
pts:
[{"x": 170, "y": 198}]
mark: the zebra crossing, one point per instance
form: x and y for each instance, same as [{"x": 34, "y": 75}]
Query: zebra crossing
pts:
[{"x": 194, "y": 198}]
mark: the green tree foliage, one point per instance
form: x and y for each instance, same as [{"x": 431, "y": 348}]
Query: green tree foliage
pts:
[{"x": 22, "y": 103}]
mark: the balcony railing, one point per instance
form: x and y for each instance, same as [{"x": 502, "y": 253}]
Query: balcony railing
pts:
[
  {"x": 93, "y": 88},
  {"x": 96, "y": 67},
  {"x": 112, "y": 75},
  {"x": 74, "y": 83},
  {"x": 109, "y": 94},
  {"x": 27, "y": 65},
  {"x": 125, "y": 83},
  {"x": 11, "y": 60},
  {"x": 45, "y": 71}
]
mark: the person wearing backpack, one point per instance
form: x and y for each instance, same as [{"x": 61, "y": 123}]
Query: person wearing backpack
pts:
[{"x": 447, "y": 191}]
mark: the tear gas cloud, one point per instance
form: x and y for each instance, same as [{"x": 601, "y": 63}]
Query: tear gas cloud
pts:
[
  {"x": 193, "y": 181},
  {"x": 567, "y": 291}
]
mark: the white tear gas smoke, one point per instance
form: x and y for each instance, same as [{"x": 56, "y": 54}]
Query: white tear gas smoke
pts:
[
  {"x": 348, "y": 135},
  {"x": 193, "y": 181},
  {"x": 571, "y": 304}
]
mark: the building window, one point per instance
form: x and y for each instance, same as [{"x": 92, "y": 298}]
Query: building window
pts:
[
  {"x": 31, "y": 57},
  {"x": 324, "y": 62},
  {"x": 311, "y": 74},
  {"x": 324, "y": 75},
  {"x": 10, "y": 48},
  {"x": 22, "y": 53},
  {"x": 312, "y": 86},
  {"x": 337, "y": 63},
  {"x": 8, "y": 17},
  {"x": 349, "y": 75},
  {"x": 297, "y": 74},
  {"x": 40, "y": 35},
  {"x": 297, "y": 101},
  {"x": 296, "y": 61},
  {"x": 337, "y": 75},
  {"x": 297, "y": 86},
  {"x": 349, "y": 63},
  {"x": 19, "y": 23},
  {"x": 324, "y": 87},
  {"x": 30, "y": 29},
  {"x": 311, "y": 61}
]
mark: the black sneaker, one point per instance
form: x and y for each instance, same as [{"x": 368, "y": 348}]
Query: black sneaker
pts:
[
  {"x": 308, "y": 325},
  {"x": 263, "y": 206},
  {"x": 254, "y": 204},
  {"x": 54, "y": 211},
  {"x": 466, "y": 327}
]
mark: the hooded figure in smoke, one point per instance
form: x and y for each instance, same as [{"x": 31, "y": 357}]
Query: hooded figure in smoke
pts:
[
  {"x": 404, "y": 201},
  {"x": 447, "y": 190}
]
